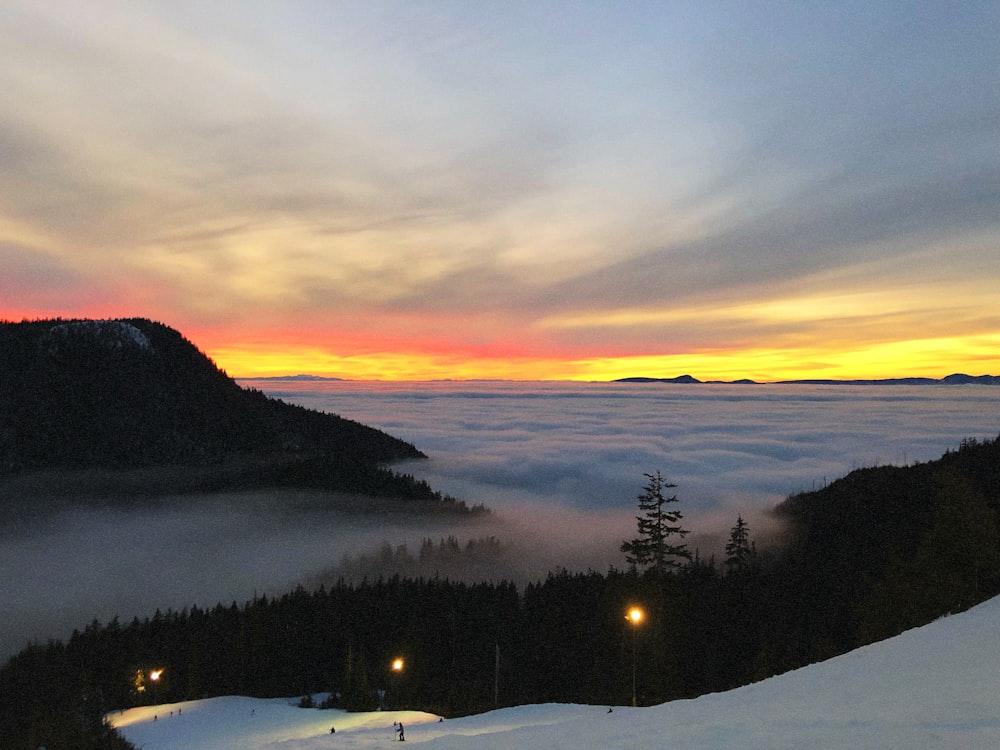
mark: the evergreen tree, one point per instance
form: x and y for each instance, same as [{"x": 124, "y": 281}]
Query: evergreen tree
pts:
[
  {"x": 358, "y": 693},
  {"x": 740, "y": 551},
  {"x": 653, "y": 549}
]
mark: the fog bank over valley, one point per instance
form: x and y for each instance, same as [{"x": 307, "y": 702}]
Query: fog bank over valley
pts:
[
  {"x": 730, "y": 448},
  {"x": 560, "y": 466},
  {"x": 63, "y": 569}
]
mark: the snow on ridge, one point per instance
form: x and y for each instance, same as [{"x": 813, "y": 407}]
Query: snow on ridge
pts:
[
  {"x": 932, "y": 687},
  {"x": 114, "y": 334},
  {"x": 255, "y": 723}
]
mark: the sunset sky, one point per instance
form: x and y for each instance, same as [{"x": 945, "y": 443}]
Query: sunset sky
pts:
[{"x": 524, "y": 190}]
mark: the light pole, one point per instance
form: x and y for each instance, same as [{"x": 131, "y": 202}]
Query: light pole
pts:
[
  {"x": 397, "y": 669},
  {"x": 635, "y": 616},
  {"x": 154, "y": 677}
]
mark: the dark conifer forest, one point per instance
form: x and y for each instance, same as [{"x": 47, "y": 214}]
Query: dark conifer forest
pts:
[
  {"x": 879, "y": 551},
  {"x": 110, "y": 406}
]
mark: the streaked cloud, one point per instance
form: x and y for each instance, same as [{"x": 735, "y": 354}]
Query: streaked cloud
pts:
[{"x": 509, "y": 188}]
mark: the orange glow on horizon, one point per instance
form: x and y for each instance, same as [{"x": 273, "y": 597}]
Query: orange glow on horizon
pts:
[
  {"x": 306, "y": 349},
  {"x": 918, "y": 358}
]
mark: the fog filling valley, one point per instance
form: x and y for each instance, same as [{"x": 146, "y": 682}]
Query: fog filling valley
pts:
[{"x": 559, "y": 464}]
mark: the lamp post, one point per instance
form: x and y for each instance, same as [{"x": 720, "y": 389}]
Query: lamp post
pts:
[
  {"x": 154, "y": 677},
  {"x": 397, "y": 669},
  {"x": 635, "y": 616}
]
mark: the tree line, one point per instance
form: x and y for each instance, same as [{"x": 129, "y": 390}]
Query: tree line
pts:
[
  {"x": 874, "y": 553},
  {"x": 132, "y": 394}
]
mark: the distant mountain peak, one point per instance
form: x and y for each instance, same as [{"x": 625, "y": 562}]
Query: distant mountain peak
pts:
[
  {"x": 955, "y": 379},
  {"x": 678, "y": 379}
]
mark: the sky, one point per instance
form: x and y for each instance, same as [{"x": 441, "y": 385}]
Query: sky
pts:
[
  {"x": 931, "y": 687},
  {"x": 560, "y": 190}
]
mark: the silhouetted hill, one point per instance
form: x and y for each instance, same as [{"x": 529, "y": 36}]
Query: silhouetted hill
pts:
[
  {"x": 128, "y": 394},
  {"x": 955, "y": 379},
  {"x": 888, "y": 548},
  {"x": 678, "y": 379}
]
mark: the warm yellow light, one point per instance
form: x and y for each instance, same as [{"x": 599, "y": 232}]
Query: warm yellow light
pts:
[
  {"x": 155, "y": 674},
  {"x": 255, "y": 361},
  {"x": 864, "y": 348},
  {"x": 397, "y": 665},
  {"x": 635, "y": 615}
]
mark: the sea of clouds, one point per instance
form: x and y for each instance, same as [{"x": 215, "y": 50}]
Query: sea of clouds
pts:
[
  {"x": 730, "y": 449},
  {"x": 560, "y": 465},
  {"x": 564, "y": 462}
]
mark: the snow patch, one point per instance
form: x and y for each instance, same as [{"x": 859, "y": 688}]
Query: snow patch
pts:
[
  {"x": 931, "y": 687},
  {"x": 113, "y": 334}
]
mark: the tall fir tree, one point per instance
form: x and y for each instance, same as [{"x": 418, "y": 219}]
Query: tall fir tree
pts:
[
  {"x": 740, "y": 551},
  {"x": 657, "y": 526}
]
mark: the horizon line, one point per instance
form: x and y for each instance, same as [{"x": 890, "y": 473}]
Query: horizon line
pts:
[{"x": 685, "y": 379}]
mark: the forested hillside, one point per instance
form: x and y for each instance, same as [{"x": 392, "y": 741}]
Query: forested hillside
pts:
[
  {"x": 888, "y": 548},
  {"x": 131, "y": 394},
  {"x": 881, "y": 550}
]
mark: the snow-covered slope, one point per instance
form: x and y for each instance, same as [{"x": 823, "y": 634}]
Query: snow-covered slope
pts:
[{"x": 933, "y": 687}]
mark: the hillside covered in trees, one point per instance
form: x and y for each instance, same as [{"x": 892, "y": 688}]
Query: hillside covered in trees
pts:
[
  {"x": 132, "y": 395},
  {"x": 876, "y": 552}
]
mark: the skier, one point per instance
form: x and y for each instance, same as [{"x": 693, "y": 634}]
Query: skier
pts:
[{"x": 400, "y": 730}]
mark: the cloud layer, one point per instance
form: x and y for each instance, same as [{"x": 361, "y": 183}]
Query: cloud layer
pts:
[
  {"x": 561, "y": 465},
  {"x": 586, "y": 446}
]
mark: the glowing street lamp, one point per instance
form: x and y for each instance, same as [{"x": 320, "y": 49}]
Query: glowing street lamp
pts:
[
  {"x": 635, "y": 616},
  {"x": 154, "y": 677},
  {"x": 397, "y": 669}
]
